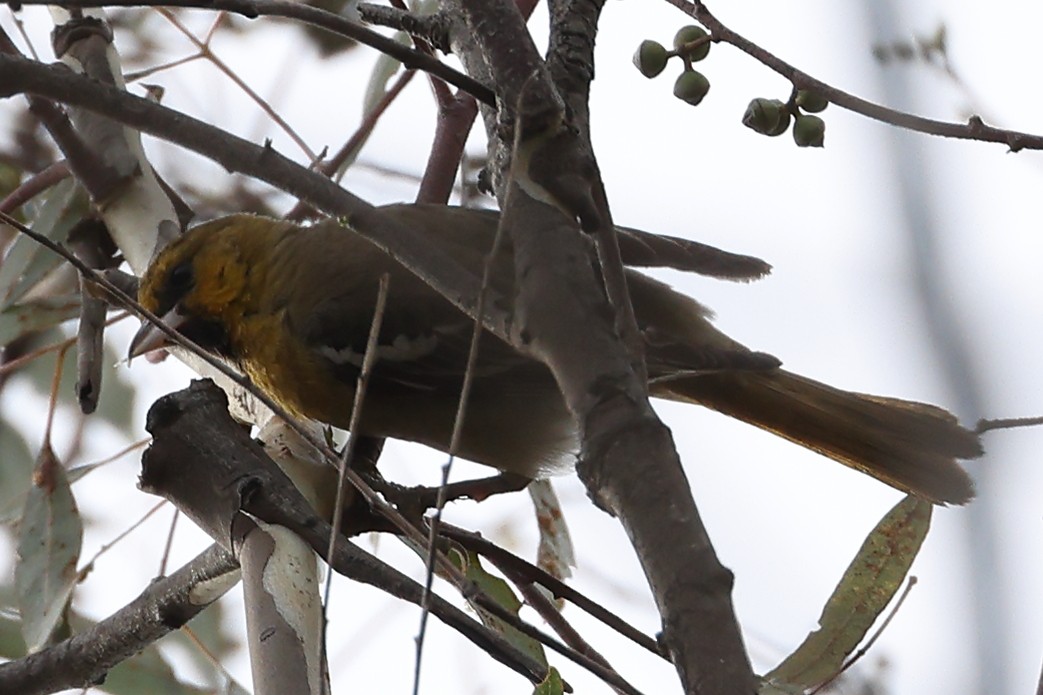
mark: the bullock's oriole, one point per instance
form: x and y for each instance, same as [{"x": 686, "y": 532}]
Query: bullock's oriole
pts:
[{"x": 292, "y": 306}]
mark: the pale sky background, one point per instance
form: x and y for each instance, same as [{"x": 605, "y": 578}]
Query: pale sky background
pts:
[{"x": 840, "y": 306}]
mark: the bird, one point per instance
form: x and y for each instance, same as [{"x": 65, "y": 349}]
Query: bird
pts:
[{"x": 292, "y": 305}]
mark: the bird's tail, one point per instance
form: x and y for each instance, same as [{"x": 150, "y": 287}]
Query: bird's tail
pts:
[{"x": 908, "y": 445}]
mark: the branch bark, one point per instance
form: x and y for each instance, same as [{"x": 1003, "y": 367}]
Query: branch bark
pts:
[
  {"x": 206, "y": 464},
  {"x": 408, "y": 246},
  {"x": 166, "y": 605},
  {"x": 629, "y": 463}
]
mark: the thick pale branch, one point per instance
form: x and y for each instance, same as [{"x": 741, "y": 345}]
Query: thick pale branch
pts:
[{"x": 206, "y": 464}]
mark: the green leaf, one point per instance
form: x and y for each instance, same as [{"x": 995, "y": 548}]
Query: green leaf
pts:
[
  {"x": 27, "y": 262},
  {"x": 551, "y": 685},
  {"x": 12, "y": 646},
  {"x": 384, "y": 69},
  {"x": 16, "y": 470},
  {"x": 49, "y": 541},
  {"x": 147, "y": 672},
  {"x": 500, "y": 591},
  {"x": 36, "y": 315},
  {"x": 868, "y": 585}
]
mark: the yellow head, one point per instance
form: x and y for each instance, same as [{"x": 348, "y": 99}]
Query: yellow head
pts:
[{"x": 203, "y": 282}]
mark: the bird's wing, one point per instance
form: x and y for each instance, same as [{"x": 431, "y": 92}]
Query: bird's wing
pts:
[{"x": 424, "y": 339}]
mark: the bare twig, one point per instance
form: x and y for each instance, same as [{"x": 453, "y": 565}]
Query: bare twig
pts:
[
  {"x": 350, "y": 148},
  {"x": 205, "y": 51},
  {"x": 369, "y": 359},
  {"x": 986, "y": 425},
  {"x": 312, "y": 15},
  {"x": 864, "y": 649},
  {"x": 525, "y": 571},
  {"x": 34, "y": 185},
  {"x": 454, "y": 446},
  {"x": 89, "y": 565}
]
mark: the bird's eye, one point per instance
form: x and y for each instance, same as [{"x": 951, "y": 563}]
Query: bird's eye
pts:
[{"x": 181, "y": 278}]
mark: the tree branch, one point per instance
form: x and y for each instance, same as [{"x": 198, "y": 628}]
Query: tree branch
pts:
[
  {"x": 628, "y": 464},
  {"x": 334, "y": 23},
  {"x": 166, "y": 605},
  {"x": 974, "y": 129},
  {"x": 407, "y": 245},
  {"x": 207, "y": 465}
]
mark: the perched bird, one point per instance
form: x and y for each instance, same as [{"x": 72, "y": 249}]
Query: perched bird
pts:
[{"x": 292, "y": 307}]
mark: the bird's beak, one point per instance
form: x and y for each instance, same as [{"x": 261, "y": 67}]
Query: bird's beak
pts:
[{"x": 149, "y": 337}]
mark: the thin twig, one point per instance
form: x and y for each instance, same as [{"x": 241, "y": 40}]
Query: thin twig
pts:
[
  {"x": 553, "y": 617},
  {"x": 973, "y": 129},
  {"x": 213, "y": 660},
  {"x": 56, "y": 380},
  {"x": 986, "y": 424},
  {"x": 165, "y": 558},
  {"x": 111, "y": 458},
  {"x": 169, "y": 65},
  {"x": 872, "y": 640},
  {"x": 126, "y": 532},
  {"x": 368, "y": 360},
  {"x": 39, "y": 352},
  {"x": 510, "y": 563},
  {"x": 34, "y": 185},
  {"x": 207, "y": 52},
  {"x": 311, "y": 15},
  {"x": 350, "y": 148},
  {"x": 335, "y": 164},
  {"x": 454, "y": 447}
]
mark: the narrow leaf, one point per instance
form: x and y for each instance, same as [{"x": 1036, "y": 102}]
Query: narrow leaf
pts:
[
  {"x": 555, "y": 554},
  {"x": 37, "y": 315},
  {"x": 16, "y": 470},
  {"x": 12, "y": 646},
  {"x": 500, "y": 591},
  {"x": 148, "y": 672},
  {"x": 49, "y": 541},
  {"x": 27, "y": 262},
  {"x": 868, "y": 585}
]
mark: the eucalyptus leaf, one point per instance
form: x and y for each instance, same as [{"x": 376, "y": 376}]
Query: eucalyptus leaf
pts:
[
  {"x": 16, "y": 469},
  {"x": 12, "y": 646},
  {"x": 551, "y": 685},
  {"x": 868, "y": 585},
  {"x": 49, "y": 540},
  {"x": 58, "y": 210},
  {"x": 31, "y": 317},
  {"x": 501, "y": 592},
  {"x": 555, "y": 554},
  {"x": 148, "y": 672}
]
